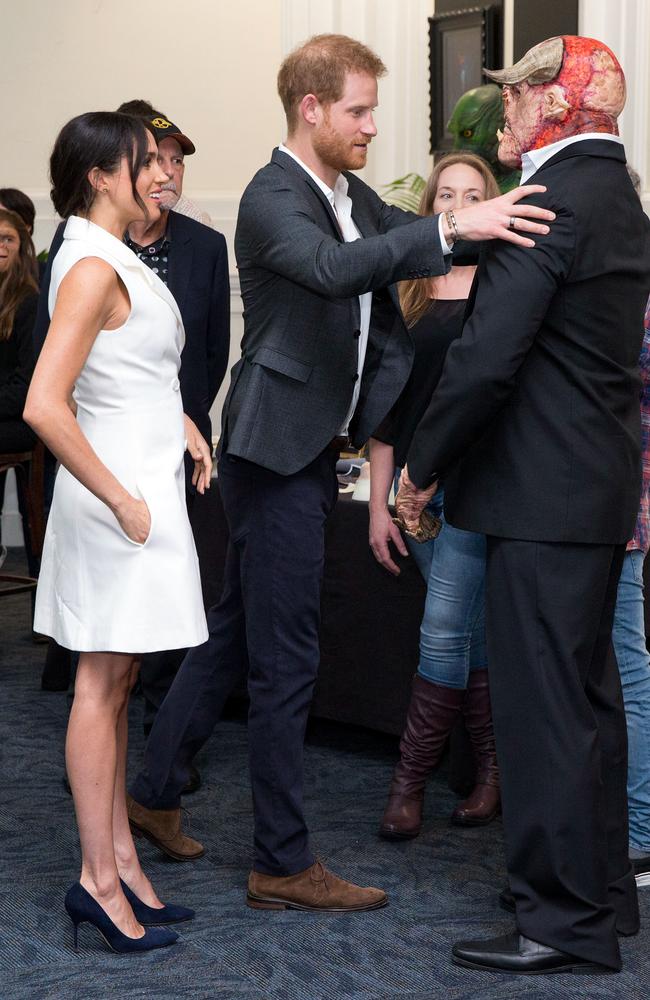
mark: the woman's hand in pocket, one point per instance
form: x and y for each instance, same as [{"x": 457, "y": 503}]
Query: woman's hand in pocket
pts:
[{"x": 134, "y": 519}]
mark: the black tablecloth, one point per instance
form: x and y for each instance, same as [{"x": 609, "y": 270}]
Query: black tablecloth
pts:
[{"x": 370, "y": 619}]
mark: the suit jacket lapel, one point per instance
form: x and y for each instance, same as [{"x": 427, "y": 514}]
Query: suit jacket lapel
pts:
[
  {"x": 360, "y": 217},
  {"x": 301, "y": 176},
  {"x": 585, "y": 147},
  {"x": 367, "y": 228},
  {"x": 471, "y": 298},
  {"x": 324, "y": 200},
  {"x": 181, "y": 254}
]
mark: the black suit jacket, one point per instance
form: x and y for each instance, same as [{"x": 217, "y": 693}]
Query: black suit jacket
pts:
[
  {"x": 199, "y": 281},
  {"x": 300, "y": 283},
  {"x": 535, "y": 423}
]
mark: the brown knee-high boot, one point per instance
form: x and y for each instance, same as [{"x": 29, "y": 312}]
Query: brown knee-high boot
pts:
[
  {"x": 483, "y": 805},
  {"x": 432, "y": 713}
]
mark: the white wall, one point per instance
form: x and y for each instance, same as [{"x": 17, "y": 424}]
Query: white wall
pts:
[
  {"x": 625, "y": 26},
  {"x": 209, "y": 64}
]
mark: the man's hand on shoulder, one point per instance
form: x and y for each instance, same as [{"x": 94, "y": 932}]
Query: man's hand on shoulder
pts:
[{"x": 502, "y": 218}]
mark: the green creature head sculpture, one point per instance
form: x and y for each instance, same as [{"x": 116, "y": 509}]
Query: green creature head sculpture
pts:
[{"x": 474, "y": 124}]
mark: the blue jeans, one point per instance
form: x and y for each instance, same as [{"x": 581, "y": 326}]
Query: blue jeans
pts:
[
  {"x": 452, "y": 634},
  {"x": 628, "y": 636}
]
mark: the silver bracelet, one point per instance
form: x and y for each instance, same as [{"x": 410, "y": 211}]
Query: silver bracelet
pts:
[{"x": 453, "y": 225}]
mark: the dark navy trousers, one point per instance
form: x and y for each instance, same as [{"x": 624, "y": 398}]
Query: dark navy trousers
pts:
[{"x": 267, "y": 625}]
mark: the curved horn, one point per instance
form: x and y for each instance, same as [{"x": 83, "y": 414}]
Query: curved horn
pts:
[{"x": 541, "y": 64}]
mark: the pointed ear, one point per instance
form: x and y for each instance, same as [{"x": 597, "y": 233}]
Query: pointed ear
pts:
[
  {"x": 309, "y": 109},
  {"x": 555, "y": 105}
]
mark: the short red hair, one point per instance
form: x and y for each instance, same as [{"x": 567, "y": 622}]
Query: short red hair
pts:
[{"x": 319, "y": 67}]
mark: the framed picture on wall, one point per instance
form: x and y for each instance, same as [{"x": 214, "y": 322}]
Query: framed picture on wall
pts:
[{"x": 461, "y": 43}]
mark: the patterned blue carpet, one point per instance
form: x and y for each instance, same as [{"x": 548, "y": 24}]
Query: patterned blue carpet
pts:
[{"x": 442, "y": 887}]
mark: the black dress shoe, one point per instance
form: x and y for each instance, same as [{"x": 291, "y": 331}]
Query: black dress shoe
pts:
[{"x": 518, "y": 955}]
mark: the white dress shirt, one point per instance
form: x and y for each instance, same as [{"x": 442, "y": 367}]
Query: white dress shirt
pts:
[
  {"x": 533, "y": 160},
  {"x": 342, "y": 206}
]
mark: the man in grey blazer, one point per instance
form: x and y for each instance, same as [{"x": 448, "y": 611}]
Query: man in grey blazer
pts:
[{"x": 325, "y": 355}]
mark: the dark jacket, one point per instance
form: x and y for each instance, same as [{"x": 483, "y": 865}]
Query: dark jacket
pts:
[
  {"x": 17, "y": 360},
  {"x": 535, "y": 423},
  {"x": 199, "y": 281},
  {"x": 300, "y": 283}
]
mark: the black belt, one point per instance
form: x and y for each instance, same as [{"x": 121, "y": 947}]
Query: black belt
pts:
[{"x": 339, "y": 443}]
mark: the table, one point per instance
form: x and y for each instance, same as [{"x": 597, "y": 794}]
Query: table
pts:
[{"x": 370, "y": 619}]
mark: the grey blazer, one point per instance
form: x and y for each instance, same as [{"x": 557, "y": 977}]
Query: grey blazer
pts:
[{"x": 292, "y": 387}]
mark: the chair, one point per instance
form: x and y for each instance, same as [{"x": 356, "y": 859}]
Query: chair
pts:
[{"x": 28, "y": 467}]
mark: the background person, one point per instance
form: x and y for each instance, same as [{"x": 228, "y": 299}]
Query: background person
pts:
[
  {"x": 192, "y": 260},
  {"x": 119, "y": 572},
  {"x": 173, "y": 147},
  {"x": 630, "y": 647},
  {"x": 18, "y": 300},
  {"x": 452, "y": 672},
  {"x": 17, "y": 201}
]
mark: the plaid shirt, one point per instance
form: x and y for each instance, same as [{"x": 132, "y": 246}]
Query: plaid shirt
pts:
[{"x": 641, "y": 538}]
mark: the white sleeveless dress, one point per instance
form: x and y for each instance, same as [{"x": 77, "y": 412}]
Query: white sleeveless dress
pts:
[{"x": 97, "y": 589}]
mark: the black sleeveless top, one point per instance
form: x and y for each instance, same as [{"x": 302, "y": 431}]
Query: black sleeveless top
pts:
[{"x": 432, "y": 335}]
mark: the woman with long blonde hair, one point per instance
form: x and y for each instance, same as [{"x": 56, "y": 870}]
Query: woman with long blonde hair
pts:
[{"x": 452, "y": 672}]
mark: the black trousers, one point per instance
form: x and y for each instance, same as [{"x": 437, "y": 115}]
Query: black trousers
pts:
[
  {"x": 561, "y": 741},
  {"x": 267, "y": 623},
  {"x": 157, "y": 670}
]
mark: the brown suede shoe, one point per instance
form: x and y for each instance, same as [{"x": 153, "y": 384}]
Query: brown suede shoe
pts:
[
  {"x": 163, "y": 828},
  {"x": 316, "y": 888}
]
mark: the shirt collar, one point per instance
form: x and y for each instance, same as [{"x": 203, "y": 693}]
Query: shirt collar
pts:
[
  {"x": 160, "y": 242},
  {"x": 536, "y": 158},
  {"x": 340, "y": 187}
]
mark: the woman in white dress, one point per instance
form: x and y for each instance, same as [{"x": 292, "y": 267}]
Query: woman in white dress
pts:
[{"x": 119, "y": 573}]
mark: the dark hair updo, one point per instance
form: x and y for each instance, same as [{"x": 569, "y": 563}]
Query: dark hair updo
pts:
[{"x": 96, "y": 139}]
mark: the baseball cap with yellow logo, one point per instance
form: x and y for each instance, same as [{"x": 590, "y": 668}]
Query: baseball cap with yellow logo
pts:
[{"x": 164, "y": 129}]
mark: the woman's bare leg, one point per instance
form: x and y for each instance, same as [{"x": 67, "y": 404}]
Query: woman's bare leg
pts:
[
  {"x": 101, "y": 694},
  {"x": 126, "y": 857}
]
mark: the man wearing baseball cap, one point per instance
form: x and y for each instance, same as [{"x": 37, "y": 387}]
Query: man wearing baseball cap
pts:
[{"x": 173, "y": 147}]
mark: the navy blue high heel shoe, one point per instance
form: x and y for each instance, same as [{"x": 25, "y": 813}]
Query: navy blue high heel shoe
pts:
[
  {"x": 82, "y": 908},
  {"x": 151, "y": 915}
]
